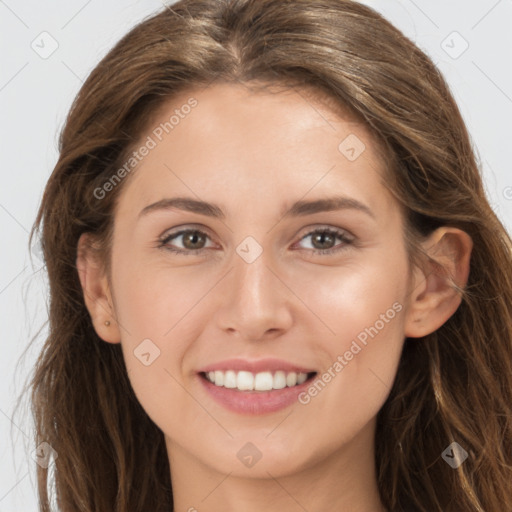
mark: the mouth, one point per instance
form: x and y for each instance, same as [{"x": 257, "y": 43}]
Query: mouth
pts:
[
  {"x": 255, "y": 386},
  {"x": 264, "y": 381}
]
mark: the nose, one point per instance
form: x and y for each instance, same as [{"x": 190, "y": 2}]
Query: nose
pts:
[{"x": 256, "y": 304}]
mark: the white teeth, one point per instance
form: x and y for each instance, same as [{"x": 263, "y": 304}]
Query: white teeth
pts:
[
  {"x": 291, "y": 379},
  {"x": 218, "y": 378},
  {"x": 245, "y": 381},
  {"x": 229, "y": 379},
  {"x": 279, "y": 381},
  {"x": 301, "y": 378},
  {"x": 262, "y": 381}
]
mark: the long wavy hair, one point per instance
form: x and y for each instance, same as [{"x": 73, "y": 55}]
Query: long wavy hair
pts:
[{"x": 452, "y": 385}]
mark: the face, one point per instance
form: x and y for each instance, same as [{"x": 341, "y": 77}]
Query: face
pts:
[{"x": 265, "y": 287}]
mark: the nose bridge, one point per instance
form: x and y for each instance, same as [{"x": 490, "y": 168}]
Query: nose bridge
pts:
[
  {"x": 252, "y": 279},
  {"x": 253, "y": 303}
]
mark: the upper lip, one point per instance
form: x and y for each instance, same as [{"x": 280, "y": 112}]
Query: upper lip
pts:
[{"x": 255, "y": 366}]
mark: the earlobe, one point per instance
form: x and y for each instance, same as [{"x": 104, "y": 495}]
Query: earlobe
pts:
[
  {"x": 437, "y": 287},
  {"x": 96, "y": 290}
]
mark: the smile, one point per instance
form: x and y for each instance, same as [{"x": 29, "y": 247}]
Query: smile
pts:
[
  {"x": 257, "y": 386},
  {"x": 261, "y": 381}
]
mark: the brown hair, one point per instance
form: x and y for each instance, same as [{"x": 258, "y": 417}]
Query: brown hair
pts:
[{"x": 452, "y": 385}]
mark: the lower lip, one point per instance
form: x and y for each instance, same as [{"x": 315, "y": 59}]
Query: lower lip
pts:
[{"x": 254, "y": 402}]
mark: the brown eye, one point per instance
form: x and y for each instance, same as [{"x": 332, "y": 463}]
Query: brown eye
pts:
[
  {"x": 323, "y": 240},
  {"x": 193, "y": 241}
]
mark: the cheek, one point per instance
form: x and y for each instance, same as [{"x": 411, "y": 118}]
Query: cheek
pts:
[
  {"x": 154, "y": 312},
  {"x": 154, "y": 307},
  {"x": 355, "y": 298},
  {"x": 155, "y": 301},
  {"x": 361, "y": 307}
]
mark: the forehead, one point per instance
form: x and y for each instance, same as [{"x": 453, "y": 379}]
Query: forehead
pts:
[{"x": 272, "y": 145}]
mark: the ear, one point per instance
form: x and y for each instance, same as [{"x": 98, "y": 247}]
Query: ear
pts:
[
  {"x": 434, "y": 299},
  {"x": 96, "y": 289}
]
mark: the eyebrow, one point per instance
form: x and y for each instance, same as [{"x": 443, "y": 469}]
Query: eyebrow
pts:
[{"x": 297, "y": 209}]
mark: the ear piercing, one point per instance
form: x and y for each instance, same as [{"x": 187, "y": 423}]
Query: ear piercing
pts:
[{"x": 107, "y": 323}]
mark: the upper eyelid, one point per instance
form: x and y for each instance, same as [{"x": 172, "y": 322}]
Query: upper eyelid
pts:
[{"x": 181, "y": 231}]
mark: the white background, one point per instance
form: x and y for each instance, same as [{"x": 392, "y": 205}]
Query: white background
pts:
[{"x": 36, "y": 93}]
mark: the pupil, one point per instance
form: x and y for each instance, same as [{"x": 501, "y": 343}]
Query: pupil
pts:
[
  {"x": 192, "y": 236},
  {"x": 322, "y": 237}
]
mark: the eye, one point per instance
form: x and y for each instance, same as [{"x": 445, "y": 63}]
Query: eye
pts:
[
  {"x": 324, "y": 240},
  {"x": 193, "y": 241}
]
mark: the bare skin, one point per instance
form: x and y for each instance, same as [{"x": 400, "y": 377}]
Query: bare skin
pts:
[{"x": 254, "y": 155}]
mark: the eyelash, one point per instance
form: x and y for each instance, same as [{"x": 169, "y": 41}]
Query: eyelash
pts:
[{"x": 190, "y": 252}]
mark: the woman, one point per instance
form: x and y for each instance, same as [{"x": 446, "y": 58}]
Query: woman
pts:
[{"x": 276, "y": 281}]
